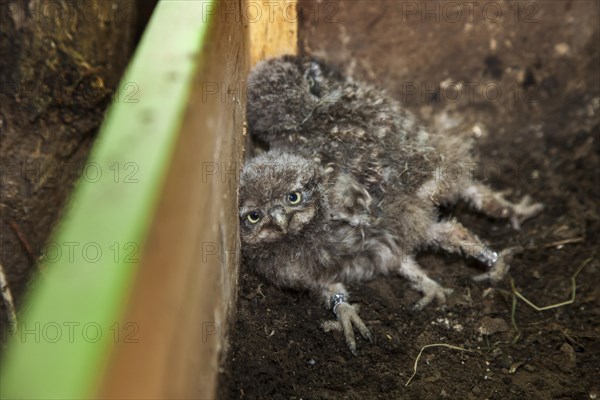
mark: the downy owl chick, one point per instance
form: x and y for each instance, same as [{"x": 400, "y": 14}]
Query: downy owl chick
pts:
[{"x": 350, "y": 188}]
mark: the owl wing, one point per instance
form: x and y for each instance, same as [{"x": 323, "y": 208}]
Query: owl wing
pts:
[{"x": 349, "y": 201}]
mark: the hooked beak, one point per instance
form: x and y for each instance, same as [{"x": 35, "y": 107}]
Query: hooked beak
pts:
[{"x": 279, "y": 218}]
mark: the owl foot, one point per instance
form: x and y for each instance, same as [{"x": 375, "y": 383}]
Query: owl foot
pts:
[
  {"x": 432, "y": 291},
  {"x": 495, "y": 205},
  {"x": 347, "y": 317},
  {"x": 500, "y": 267},
  {"x": 419, "y": 280},
  {"x": 524, "y": 210}
]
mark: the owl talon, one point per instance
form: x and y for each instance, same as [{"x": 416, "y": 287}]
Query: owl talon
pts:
[
  {"x": 524, "y": 210},
  {"x": 347, "y": 319},
  {"x": 432, "y": 291}
]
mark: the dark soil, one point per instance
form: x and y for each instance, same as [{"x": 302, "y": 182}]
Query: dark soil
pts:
[{"x": 544, "y": 142}]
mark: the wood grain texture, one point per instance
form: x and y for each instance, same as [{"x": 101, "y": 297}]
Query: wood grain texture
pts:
[
  {"x": 273, "y": 28},
  {"x": 188, "y": 276}
]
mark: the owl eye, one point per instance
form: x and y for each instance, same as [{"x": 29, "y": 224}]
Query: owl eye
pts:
[
  {"x": 294, "y": 198},
  {"x": 311, "y": 76},
  {"x": 313, "y": 86},
  {"x": 253, "y": 217}
]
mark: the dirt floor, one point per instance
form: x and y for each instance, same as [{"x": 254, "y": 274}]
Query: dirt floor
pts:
[{"x": 543, "y": 139}]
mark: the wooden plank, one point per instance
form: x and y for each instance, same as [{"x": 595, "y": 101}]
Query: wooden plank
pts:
[
  {"x": 68, "y": 323},
  {"x": 188, "y": 277},
  {"x": 167, "y": 336},
  {"x": 273, "y": 28}
]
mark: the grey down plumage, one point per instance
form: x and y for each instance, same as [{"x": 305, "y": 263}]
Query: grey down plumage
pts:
[{"x": 350, "y": 188}]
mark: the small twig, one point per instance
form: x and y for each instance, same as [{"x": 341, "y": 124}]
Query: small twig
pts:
[
  {"x": 557, "y": 243},
  {"x": 433, "y": 345},
  {"x": 568, "y": 338},
  {"x": 564, "y": 241},
  {"x": 260, "y": 291},
  {"x": 8, "y": 300},
  {"x": 513, "y": 319},
  {"x": 22, "y": 239},
  {"x": 551, "y": 306}
]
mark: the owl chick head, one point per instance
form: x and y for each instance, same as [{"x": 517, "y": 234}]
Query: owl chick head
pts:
[
  {"x": 285, "y": 93},
  {"x": 279, "y": 197}
]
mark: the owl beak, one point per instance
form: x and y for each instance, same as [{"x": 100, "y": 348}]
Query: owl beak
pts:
[{"x": 279, "y": 218}]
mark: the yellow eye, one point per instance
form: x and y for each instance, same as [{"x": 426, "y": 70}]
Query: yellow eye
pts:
[
  {"x": 294, "y": 198},
  {"x": 253, "y": 217}
]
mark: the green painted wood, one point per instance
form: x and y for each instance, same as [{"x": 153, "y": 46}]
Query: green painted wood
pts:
[{"x": 72, "y": 316}]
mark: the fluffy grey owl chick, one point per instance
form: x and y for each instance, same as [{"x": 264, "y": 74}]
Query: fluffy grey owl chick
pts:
[{"x": 350, "y": 189}]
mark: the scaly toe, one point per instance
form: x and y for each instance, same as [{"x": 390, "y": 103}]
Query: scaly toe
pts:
[
  {"x": 434, "y": 291},
  {"x": 329, "y": 326},
  {"x": 347, "y": 319},
  {"x": 524, "y": 210}
]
